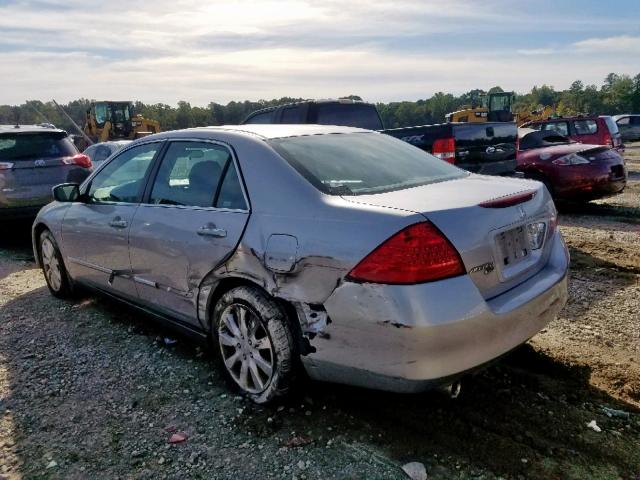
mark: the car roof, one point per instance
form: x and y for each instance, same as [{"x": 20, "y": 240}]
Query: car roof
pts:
[
  {"x": 42, "y": 127},
  {"x": 264, "y": 131}
]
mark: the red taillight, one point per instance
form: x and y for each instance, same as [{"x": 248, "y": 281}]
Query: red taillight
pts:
[
  {"x": 80, "y": 159},
  {"x": 608, "y": 139},
  {"x": 417, "y": 254},
  {"x": 445, "y": 149},
  {"x": 509, "y": 200}
]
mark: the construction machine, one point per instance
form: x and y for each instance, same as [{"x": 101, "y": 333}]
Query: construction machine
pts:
[
  {"x": 494, "y": 107},
  {"x": 108, "y": 120},
  {"x": 541, "y": 113}
]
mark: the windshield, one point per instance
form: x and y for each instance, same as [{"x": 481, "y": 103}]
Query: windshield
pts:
[
  {"x": 28, "y": 146},
  {"x": 362, "y": 163}
]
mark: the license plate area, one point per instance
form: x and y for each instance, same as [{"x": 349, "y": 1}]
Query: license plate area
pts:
[{"x": 512, "y": 246}]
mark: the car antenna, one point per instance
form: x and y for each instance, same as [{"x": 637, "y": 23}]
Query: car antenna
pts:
[{"x": 16, "y": 113}]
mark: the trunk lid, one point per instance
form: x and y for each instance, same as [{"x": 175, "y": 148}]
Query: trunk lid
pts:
[{"x": 491, "y": 241}]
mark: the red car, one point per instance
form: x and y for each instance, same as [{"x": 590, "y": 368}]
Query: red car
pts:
[
  {"x": 570, "y": 170},
  {"x": 593, "y": 130}
]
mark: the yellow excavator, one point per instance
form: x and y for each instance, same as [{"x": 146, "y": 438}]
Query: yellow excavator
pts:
[
  {"x": 541, "y": 113},
  {"x": 494, "y": 107}
]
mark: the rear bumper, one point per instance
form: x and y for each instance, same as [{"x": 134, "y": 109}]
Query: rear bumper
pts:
[
  {"x": 592, "y": 182},
  {"x": 411, "y": 338}
]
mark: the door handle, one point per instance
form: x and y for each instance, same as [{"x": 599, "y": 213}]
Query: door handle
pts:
[
  {"x": 118, "y": 223},
  {"x": 210, "y": 230}
]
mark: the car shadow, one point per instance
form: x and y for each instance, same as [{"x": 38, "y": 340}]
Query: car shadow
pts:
[{"x": 76, "y": 389}]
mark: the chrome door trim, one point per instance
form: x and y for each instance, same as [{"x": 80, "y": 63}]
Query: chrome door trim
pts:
[{"x": 78, "y": 261}]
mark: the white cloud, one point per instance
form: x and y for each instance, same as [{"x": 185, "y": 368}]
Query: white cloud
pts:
[
  {"x": 620, "y": 44},
  {"x": 221, "y": 50}
]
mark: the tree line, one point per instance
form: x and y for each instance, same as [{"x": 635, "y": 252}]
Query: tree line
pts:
[{"x": 617, "y": 94}]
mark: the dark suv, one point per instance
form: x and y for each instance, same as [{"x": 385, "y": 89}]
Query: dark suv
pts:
[
  {"x": 33, "y": 159},
  {"x": 592, "y": 130},
  {"x": 344, "y": 112}
]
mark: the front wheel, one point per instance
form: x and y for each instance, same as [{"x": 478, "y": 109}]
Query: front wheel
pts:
[
  {"x": 53, "y": 267},
  {"x": 255, "y": 343}
]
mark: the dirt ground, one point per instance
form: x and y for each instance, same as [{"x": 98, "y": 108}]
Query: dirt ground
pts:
[{"x": 90, "y": 389}]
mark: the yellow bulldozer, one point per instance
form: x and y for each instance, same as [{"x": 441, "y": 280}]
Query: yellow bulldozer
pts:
[
  {"x": 108, "y": 120},
  {"x": 494, "y": 107}
]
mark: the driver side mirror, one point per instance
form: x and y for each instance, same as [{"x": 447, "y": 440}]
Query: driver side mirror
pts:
[{"x": 66, "y": 192}]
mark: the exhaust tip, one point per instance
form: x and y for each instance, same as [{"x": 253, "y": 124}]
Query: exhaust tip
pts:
[{"x": 454, "y": 389}]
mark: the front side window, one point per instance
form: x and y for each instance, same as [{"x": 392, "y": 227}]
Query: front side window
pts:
[
  {"x": 123, "y": 178},
  {"x": 585, "y": 127},
  {"x": 561, "y": 127},
  {"x": 192, "y": 174},
  {"x": 362, "y": 163}
]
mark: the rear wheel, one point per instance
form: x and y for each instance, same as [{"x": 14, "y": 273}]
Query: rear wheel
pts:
[
  {"x": 254, "y": 342},
  {"x": 53, "y": 267}
]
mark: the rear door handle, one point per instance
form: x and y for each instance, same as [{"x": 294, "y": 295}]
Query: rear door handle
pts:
[
  {"x": 210, "y": 230},
  {"x": 118, "y": 223}
]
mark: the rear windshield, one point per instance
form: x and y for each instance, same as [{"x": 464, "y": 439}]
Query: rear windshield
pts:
[
  {"x": 349, "y": 115},
  {"x": 28, "y": 146},
  {"x": 611, "y": 125},
  {"x": 362, "y": 163}
]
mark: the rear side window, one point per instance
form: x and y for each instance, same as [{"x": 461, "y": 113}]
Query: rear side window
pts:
[
  {"x": 624, "y": 121},
  {"x": 348, "y": 115},
  {"x": 611, "y": 125},
  {"x": 198, "y": 174},
  {"x": 585, "y": 127},
  {"x": 561, "y": 127},
  {"x": 29, "y": 146},
  {"x": 362, "y": 163},
  {"x": 635, "y": 120},
  {"x": 265, "y": 117}
]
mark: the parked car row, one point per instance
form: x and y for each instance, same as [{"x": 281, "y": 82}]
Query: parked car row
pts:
[{"x": 368, "y": 258}]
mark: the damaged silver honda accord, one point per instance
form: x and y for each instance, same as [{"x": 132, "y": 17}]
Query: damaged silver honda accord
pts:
[{"x": 347, "y": 252}]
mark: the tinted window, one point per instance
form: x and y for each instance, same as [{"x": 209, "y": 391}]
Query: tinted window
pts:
[
  {"x": 122, "y": 179},
  {"x": 362, "y": 163},
  {"x": 266, "y": 117},
  {"x": 611, "y": 125},
  {"x": 291, "y": 115},
  {"x": 635, "y": 120},
  {"x": 561, "y": 127},
  {"x": 230, "y": 195},
  {"x": 585, "y": 127},
  {"x": 27, "y": 146},
  {"x": 349, "y": 115},
  {"x": 189, "y": 174}
]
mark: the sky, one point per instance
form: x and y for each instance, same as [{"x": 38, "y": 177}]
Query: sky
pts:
[{"x": 203, "y": 51}]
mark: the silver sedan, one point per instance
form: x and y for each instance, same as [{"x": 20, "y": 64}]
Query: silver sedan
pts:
[{"x": 342, "y": 251}]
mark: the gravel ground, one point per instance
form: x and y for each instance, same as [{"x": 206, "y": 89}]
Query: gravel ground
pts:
[{"x": 90, "y": 389}]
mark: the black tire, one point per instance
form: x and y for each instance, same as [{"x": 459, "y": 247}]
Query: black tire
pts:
[
  {"x": 244, "y": 355},
  {"x": 55, "y": 273}
]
